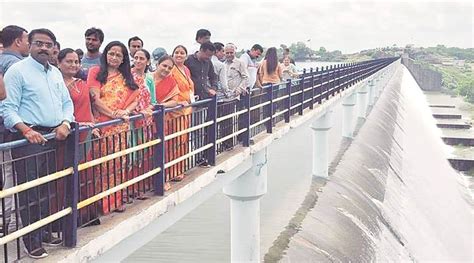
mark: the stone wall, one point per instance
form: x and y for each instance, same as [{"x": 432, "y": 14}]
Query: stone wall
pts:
[{"x": 426, "y": 78}]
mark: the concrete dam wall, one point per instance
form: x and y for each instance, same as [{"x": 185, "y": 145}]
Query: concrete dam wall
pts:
[
  {"x": 426, "y": 78},
  {"x": 392, "y": 197}
]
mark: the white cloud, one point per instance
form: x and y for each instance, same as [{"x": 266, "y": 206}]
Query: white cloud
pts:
[{"x": 349, "y": 26}]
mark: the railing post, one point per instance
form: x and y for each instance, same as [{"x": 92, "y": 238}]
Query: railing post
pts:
[
  {"x": 288, "y": 101},
  {"x": 212, "y": 131},
  {"x": 159, "y": 153},
  {"x": 328, "y": 76},
  {"x": 270, "y": 106},
  {"x": 72, "y": 187},
  {"x": 246, "y": 119},
  {"x": 301, "y": 108},
  {"x": 312, "y": 89}
]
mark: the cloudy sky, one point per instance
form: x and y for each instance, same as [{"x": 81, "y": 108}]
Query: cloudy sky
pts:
[{"x": 346, "y": 25}]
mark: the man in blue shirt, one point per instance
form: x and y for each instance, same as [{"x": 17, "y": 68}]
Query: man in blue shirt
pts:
[
  {"x": 38, "y": 103},
  {"x": 15, "y": 44},
  {"x": 16, "y": 47}
]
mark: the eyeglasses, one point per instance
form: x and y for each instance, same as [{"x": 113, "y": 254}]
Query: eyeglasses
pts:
[
  {"x": 43, "y": 44},
  {"x": 113, "y": 54}
]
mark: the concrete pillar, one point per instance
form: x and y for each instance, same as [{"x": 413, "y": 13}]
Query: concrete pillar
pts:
[
  {"x": 244, "y": 193},
  {"x": 380, "y": 85},
  {"x": 347, "y": 112},
  {"x": 372, "y": 91},
  {"x": 321, "y": 128},
  {"x": 362, "y": 101}
]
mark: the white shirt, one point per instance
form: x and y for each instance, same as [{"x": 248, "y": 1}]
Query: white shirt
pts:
[{"x": 252, "y": 67}]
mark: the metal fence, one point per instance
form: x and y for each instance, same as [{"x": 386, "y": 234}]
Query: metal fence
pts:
[{"x": 61, "y": 186}]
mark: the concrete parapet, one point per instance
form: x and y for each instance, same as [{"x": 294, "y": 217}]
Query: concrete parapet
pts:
[{"x": 426, "y": 78}]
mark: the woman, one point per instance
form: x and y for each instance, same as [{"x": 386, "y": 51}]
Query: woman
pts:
[
  {"x": 69, "y": 65},
  {"x": 182, "y": 76},
  {"x": 269, "y": 71},
  {"x": 288, "y": 70},
  {"x": 115, "y": 95},
  {"x": 142, "y": 130},
  {"x": 168, "y": 94}
]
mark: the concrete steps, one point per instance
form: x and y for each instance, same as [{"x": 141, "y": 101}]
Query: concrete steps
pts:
[
  {"x": 442, "y": 106},
  {"x": 453, "y": 124},
  {"x": 447, "y": 116},
  {"x": 461, "y": 164},
  {"x": 466, "y": 141}
]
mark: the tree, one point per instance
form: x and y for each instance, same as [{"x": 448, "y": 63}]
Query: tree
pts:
[{"x": 300, "y": 51}]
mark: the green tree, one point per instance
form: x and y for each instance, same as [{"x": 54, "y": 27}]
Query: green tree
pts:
[{"x": 300, "y": 51}]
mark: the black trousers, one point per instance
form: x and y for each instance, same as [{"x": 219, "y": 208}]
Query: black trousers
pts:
[{"x": 31, "y": 162}]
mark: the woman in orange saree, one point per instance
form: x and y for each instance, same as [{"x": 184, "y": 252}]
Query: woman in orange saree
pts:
[
  {"x": 168, "y": 94},
  {"x": 182, "y": 76},
  {"x": 114, "y": 95}
]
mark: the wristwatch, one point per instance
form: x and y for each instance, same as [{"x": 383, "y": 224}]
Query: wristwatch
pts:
[{"x": 66, "y": 122}]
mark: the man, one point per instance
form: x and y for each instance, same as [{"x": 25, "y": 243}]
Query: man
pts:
[
  {"x": 156, "y": 55},
  {"x": 53, "y": 60},
  {"x": 249, "y": 59},
  {"x": 94, "y": 38},
  {"x": 15, "y": 41},
  {"x": 3, "y": 93},
  {"x": 15, "y": 44},
  {"x": 219, "y": 69},
  {"x": 219, "y": 51},
  {"x": 202, "y": 71},
  {"x": 237, "y": 82},
  {"x": 38, "y": 103},
  {"x": 134, "y": 43},
  {"x": 286, "y": 53},
  {"x": 202, "y": 36},
  {"x": 79, "y": 53},
  {"x": 237, "y": 75}
]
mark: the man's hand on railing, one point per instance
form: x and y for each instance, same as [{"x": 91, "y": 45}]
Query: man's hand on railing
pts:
[
  {"x": 62, "y": 131},
  {"x": 34, "y": 137}
]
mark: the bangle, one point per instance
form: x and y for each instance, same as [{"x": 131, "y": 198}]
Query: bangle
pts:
[{"x": 27, "y": 130}]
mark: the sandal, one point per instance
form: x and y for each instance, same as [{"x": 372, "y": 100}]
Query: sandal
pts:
[{"x": 178, "y": 178}]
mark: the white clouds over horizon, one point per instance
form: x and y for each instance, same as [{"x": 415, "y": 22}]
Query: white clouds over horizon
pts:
[{"x": 349, "y": 26}]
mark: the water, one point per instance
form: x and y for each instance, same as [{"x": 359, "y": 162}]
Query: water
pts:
[
  {"x": 394, "y": 196},
  {"x": 313, "y": 64}
]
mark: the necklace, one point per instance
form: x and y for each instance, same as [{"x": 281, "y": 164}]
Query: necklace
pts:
[{"x": 72, "y": 84}]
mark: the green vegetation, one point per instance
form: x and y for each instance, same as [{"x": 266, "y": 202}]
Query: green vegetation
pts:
[{"x": 455, "y": 65}]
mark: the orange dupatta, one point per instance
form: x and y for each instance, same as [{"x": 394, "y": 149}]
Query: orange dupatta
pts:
[{"x": 166, "y": 90}]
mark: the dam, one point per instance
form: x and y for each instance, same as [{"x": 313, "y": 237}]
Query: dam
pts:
[{"x": 360, "y": 169}]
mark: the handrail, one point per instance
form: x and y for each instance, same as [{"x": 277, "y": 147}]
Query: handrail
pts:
[{"x": 311, "y": 87}]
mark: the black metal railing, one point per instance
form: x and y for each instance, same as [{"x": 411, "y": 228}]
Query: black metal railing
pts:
[{"x": 65, "y": 185}]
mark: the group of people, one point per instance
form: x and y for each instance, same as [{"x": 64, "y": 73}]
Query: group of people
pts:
[{"x": 44, "y": 89}]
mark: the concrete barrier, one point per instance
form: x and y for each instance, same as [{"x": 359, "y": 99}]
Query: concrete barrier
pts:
[{"x": 426, "y": 78}]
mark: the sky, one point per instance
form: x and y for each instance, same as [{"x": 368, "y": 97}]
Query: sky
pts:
[{"x": 346, "y": 25}]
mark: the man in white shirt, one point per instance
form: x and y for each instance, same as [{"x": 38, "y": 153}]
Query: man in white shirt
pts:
[
  {"x": 219, "y": 68},
  {"x": 249, "y": 59}
]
